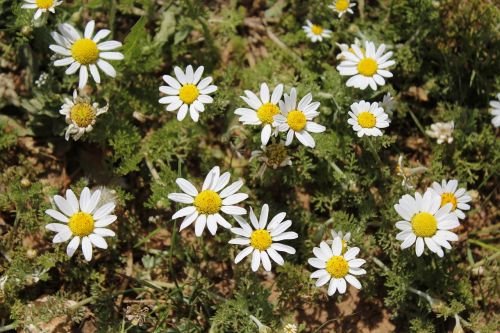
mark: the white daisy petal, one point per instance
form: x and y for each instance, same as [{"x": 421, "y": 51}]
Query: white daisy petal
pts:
[
  {"x": 73, "y": 246},
  {"x": 87, "y": 248}
]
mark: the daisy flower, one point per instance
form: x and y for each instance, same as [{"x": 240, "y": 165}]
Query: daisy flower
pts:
[
  {"x": 342, "y": 7},
  {"x": 367, "y": 119},
  {"x": 262, "y": 239},
  {"x": 85, "y": 53},
  {"x": 215, "y": 197},
  {"x": 83, "y": 220},
  {"x": 262, "y": 110},
  {"x": 450, "y": 194},
  {"x": 442, "y": 131},
  {"x": 41, "y": 6},
  {"x": 80, "y": 115},
  {"x": 336, "y": 267},
  {"x": 425, "y": 221},
  {"x": 315, "y": 32},
  {"x": 495, "y": 111},
  {"x": 366, "y": 68},
  {"x": 297, "y": 119},
  {"x": 187, "y": 92}
]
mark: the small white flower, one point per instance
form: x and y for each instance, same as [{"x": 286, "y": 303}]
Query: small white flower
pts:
[
  {"x": 83, "y": 219},
  {"x": 336, "y": 267},
  {"x": 367, "y": 119},
  {"x": 263, "y": 240},
  {"x": 495, "y": 111},
  {"x": 205, "y": 206},
  {"x": 187, "y": 92},
  {"x": 342, "y": 7},
  {"x": 41, "y": 6},
  {"x": 85, "y": 53},
  {"x": 387, "y": 104},
  {"x": 442, "y": 131},
  {"x": 42, "y": 79},
  {"x": 262, "y": 110},
  {"x": 450, "y": 194},
  {"x": 297, "y": 119},
  {"x": 316, "y": 33},
  {"x": 366, "y": 68},
  {"x": 426, "y": 222},
  {"x": 80, "y": 115}
]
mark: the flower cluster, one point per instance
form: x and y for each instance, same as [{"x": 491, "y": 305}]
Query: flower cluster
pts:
[{"x": 281, "y": 116}]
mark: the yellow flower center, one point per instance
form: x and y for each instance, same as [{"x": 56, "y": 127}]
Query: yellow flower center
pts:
[
  {"x": 44, "y": 4},
  {"x": 337, "y": 267},
  {"x": 85, "y": 51},
  {"x": 189, "y": 93},
  {"x": 81, "y": 224},
  {"x": 342, "y": 5},
  {"x": 261, "y": 239},
  {"x": 447, "y": 198},
  {"x": 208, "y": 202},
  {"x": 316, "y": 29},
  {"x": 83, "y": 114},
  {"x": 424, "y": 224},
  {"x": 267, "y": 112},
  {"x": 366, "y": 119},
  {"x": 367, "y": 66},
  {"x": 296, "y": 120}
]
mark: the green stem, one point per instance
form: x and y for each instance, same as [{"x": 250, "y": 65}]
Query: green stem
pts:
[
  {"x": 9, "y": 327},
  {"x": 417, "y": 122},
  {"x": 374, "y": 152}
]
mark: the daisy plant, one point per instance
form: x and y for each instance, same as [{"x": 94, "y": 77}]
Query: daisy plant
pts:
[
  {"x": 335, "y": 267},
  {"x": 41, "y": 6},
  {"x": 80, "y": 115},
  {"x": 367, "y": 119},
  {"x": 296, "y": 119},
  {"x": 205, "y": 207},
  {"x": 368, "y": 68},
  {"x": 84, "y": 220},
  {"x": 85, "y": 52},
  {"x": 262, "y": 240},
  {"x": 315, "y": 32},
  {"x": 426, "y": 222},
  {"x": 450, "y": 193},
  {"x": 262, "y": 109},
  {"x": 187, "y": 92}
]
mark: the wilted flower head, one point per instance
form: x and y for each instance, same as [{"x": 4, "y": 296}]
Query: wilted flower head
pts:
[
  {"x": 274, "y": 156},
  {"x": 442, "y": 131},
  {"x": 388, "y": 104},
  {"x": 81, "y": 115}
]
